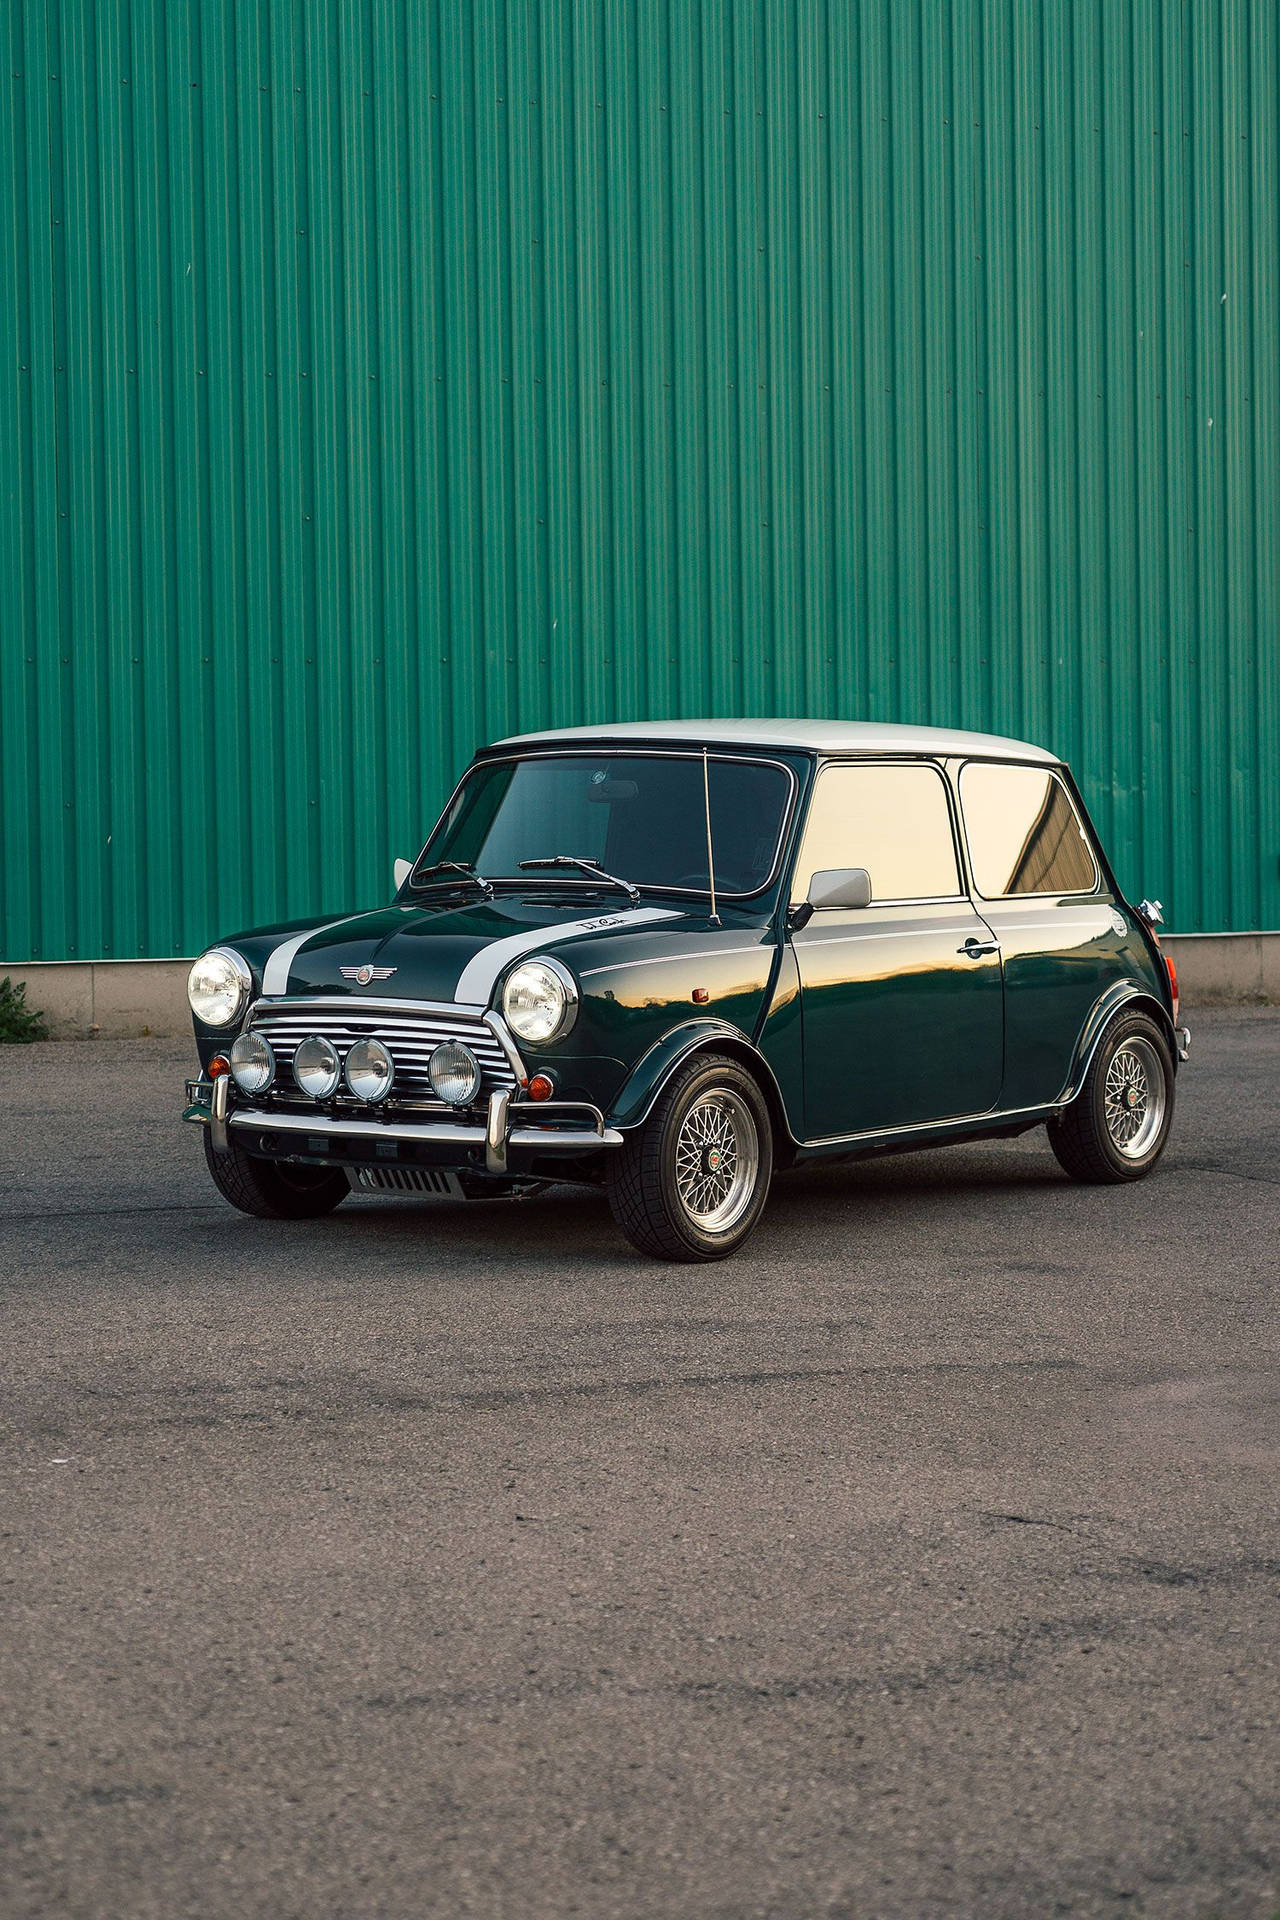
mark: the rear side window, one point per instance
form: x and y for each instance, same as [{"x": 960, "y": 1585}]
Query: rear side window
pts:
[
  {"x": 894, "y": 821},
  {"x": 1024, "y": 834}
]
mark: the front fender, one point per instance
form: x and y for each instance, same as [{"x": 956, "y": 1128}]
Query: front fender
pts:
[
  {"x": 654, "y": 1068},
  {"x": 1121, "y": 993}
]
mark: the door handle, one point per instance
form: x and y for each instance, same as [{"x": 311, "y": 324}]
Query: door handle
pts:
[{"x": 973, "y": 949}]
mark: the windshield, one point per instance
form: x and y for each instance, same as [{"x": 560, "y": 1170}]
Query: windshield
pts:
[{"x": 639, "y": 816}]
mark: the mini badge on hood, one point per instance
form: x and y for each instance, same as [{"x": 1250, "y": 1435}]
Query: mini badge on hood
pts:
[{"x": 363, "y": 975}]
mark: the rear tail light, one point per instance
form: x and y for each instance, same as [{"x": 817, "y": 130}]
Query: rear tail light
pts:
[{"x": 1173, "y": 982}]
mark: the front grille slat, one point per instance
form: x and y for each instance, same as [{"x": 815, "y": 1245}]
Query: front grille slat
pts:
[
  {"x": 422, "y": 1034},
  {"x": 410, "y": 1039}
]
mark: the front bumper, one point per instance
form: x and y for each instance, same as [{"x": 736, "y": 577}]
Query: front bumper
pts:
[{"x": 518, "y": 1130}]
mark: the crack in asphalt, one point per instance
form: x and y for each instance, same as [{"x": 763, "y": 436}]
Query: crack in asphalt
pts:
[
  {"x": 107, "y": 1213},
  {"x": 1007, "y": 1660},
  {"x": 835, "y": 1688},
  {"x": 1228, "y": 1173}
]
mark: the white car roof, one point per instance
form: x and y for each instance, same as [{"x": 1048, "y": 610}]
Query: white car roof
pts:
[{"x": 810, "y": 736}]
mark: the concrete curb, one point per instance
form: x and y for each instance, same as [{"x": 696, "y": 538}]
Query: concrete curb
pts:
[{"x": 120, "y": 999}]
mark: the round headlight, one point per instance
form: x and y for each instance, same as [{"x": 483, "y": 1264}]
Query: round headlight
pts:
[
  {"x": 218, "y": 987},
  {"x": 454, "y": 1072},
  {"x": 253, "y": 1065},
  {"x": 369, "y": 1070},
  {"x": 540, "y": 1000},
  {"x": 316, "y": 1068}
]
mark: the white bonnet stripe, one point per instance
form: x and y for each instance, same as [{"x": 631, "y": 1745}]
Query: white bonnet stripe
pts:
[
  {"x": 275, "y": 975},
  {"x": 478, "y": 978}
]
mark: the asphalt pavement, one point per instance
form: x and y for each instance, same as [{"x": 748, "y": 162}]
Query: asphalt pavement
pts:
[{"x": 451, "y": 1558}]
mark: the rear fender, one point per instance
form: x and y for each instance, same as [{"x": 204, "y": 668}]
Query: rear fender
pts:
[{"x": 1122, "y": 993}]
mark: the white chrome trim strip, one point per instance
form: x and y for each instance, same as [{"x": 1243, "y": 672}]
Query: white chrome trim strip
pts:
[
  {"x": 557, "y": 1137},
  {"x": 1073, "y": 928},
  {"x": 902, "y": 933},
  {"x": 321, "y": 1123},
  {"x": 656, "y": 959},
  {"x": 931, "y": 1126},
  {"x": 364, "y": 1009},
  {"x": 443, "y": 1134},
  {"x": 502, "y": 1034}
]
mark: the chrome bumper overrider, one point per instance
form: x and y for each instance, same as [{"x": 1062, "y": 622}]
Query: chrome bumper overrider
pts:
[
  {"x": 1183, "y": 1037},
  {"x": 507, "y": 1125}
]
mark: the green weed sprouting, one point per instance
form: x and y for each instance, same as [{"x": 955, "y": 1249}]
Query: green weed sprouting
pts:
[{"x": 18, "y": 1022}]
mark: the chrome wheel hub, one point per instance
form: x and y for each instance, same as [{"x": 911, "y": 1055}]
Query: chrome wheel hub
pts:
[
  {"x": 1135, "y": 1098},
  {"x": 717, "y": 1160}
]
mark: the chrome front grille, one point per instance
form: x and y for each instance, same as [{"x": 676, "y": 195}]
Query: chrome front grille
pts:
[{"x": 410, "y": 1036}]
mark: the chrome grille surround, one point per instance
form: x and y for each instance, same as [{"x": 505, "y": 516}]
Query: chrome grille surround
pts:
[{"x": 409, "y": 1030}]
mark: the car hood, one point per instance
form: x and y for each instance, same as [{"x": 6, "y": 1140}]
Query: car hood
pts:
[{"x": 444, "y": 952}]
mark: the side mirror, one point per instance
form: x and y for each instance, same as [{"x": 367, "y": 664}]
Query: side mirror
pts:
[
  {"x": 840, "y": 887},
  {"x": 402, "y": 870}
]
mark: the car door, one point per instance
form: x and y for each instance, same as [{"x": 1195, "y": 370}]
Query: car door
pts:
[
  {"x": 1038, "y": 884},
  {"x": 901, "y": 1001}
]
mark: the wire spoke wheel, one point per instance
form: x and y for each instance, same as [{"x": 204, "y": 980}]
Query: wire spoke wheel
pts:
[
  {"x": 691, "y": 1181},
  {"x": 1134, "y": 1097},
  {"x": 717, "y": 1160},
  {"x": 1117, "y": 1125}
]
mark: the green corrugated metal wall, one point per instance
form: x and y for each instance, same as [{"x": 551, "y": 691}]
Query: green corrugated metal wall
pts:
[{"x": 379, "y": 378}]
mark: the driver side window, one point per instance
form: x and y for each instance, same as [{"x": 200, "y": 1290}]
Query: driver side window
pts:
[{"x": 892, "y": 820}]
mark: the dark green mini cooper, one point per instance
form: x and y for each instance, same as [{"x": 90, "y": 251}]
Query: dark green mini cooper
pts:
[{"x": 673, "y": 957}]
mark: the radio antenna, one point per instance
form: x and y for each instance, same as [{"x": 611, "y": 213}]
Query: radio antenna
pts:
[{"x": 711, "y": 859}]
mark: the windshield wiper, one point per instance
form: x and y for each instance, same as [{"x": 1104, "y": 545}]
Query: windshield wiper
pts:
[
  {"x": 443, "y": 868},
  {"x": 590, "y": 867}
]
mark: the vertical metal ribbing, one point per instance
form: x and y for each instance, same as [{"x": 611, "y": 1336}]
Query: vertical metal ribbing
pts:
[{"x": 379, "y": 379}]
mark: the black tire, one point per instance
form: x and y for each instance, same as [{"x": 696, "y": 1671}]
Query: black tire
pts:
[
  {"x": 1087, "y": 1136},
  {"x": 644, "y": 1174},
  {"x": 271, "y": 1192}
]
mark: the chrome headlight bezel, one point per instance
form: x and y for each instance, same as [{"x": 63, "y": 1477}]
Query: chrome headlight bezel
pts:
[
  {"x": 437, "y": 1071},
  {"x": 243, "y": 1048},
  {"x": 558, "y": 987},
  {"x": 238, "y": 976},
  {"x": 330, "y": 1075},
  {"x": 368, "y": 1045}
]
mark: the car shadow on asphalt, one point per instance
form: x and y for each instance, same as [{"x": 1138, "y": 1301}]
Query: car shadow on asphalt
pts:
[{"x": 568, "y": 1222}]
